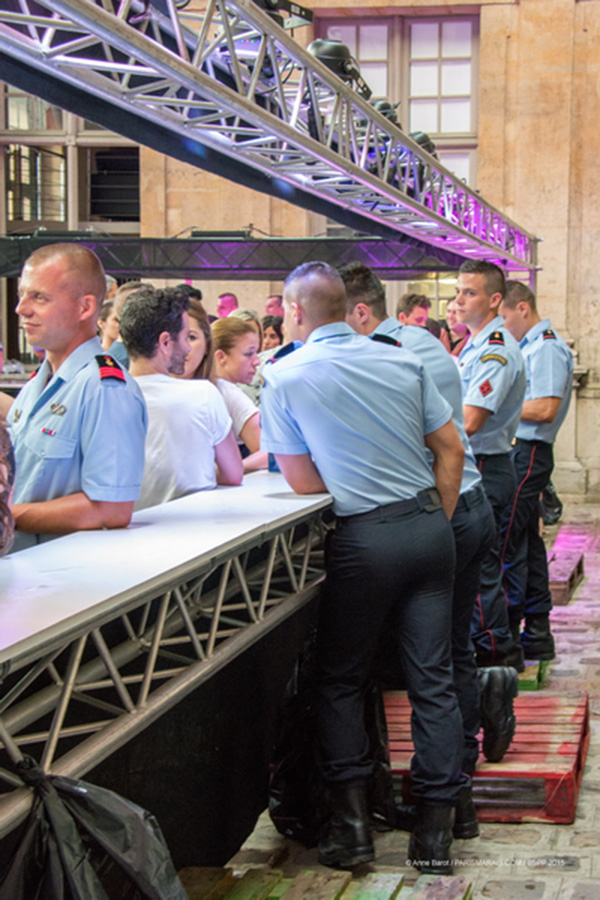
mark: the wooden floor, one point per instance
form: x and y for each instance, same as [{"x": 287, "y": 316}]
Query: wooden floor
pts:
[
  {"x": 256, "y": 884},
  {"x": 541, "y": 773}
]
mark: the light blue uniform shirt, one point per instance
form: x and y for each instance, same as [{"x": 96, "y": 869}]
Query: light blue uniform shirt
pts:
[
  {"x": 78, "y": 432},
  {"x": 492, "y": 372},
  {"x": 442, "y": 369},
  {"x": 360, "y": 409},
  {"x": 549, "y": 368}
]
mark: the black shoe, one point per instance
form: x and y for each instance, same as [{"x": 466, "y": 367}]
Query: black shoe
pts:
[
  {"x": 406, "y": 817},
  {"x": 466, "y": 825},
  {"x": 430, "y": 842},
  {"x": 499, "y": 686},
  {"x": 536, "y": 639},
  {"x": 347, "y": 841},
  {"x": 515, "y": 658}
]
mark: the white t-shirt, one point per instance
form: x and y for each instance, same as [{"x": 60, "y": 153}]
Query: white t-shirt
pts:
[
  {"x": 239, "y": 406},
  {"x": 186, "y": 418}
]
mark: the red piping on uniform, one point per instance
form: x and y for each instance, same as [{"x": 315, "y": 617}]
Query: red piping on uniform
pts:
[{"x": 514, "y": 507}]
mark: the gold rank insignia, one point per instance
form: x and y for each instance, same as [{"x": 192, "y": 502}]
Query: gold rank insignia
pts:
[
  {"x": 16, "y": 415},
  {"x": 495, "y": 356},
  {"x": 58, "y": 409}
]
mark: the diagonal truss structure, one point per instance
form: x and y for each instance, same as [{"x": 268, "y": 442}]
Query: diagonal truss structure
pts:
[
  {"x": 230, "y": 84},
  {"x": 237, "y": 259},
  {"x": 81, "y": 696}
]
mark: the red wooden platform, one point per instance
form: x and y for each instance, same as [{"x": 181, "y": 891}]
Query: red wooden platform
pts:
[{"x": 540, "y": 775}]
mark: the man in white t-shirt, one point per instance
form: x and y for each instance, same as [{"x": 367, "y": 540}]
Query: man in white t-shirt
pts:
[{"x": 190, "y": 445}]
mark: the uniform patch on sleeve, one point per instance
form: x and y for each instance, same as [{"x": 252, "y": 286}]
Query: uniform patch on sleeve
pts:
[
  {"x": 110, "y": 368},
  {"x": 485, "y": 388},
  {"x": 282, "y": 351},
  {"x": 496, "y": 337},
  {"x": 494, "y": 356},
  {"x": 386, "y": 339},
  {"x": 548, "y": 335}
]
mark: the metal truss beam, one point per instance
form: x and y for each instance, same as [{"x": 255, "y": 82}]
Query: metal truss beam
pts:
[
  {"x": 72, "y": 707},
  {"x": 235, "y": 259},
  {"x": 232, "y": 84}
]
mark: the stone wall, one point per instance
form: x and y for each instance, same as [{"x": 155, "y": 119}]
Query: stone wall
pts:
[{"x": 539, "y": 144}]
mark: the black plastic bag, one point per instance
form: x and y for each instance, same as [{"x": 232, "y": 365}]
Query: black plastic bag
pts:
[{"x": 75, "y": 829}]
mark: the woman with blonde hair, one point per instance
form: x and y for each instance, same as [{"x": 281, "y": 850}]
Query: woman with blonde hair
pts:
[{"x": 235, "y": 346}]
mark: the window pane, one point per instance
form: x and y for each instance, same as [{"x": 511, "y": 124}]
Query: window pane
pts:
[
  {"x": 424, "y": 40},
  {"x": 456, "y": 78},
  {"x": 456, "y": 38},
  {"x": 456, "y": 115},
  {"x": 458, "y": 163},
  {"x": 373, "y": 42},
  {"x": 424, "y": 79},
  {"x": 344, "y": 33},
  {"x": 423, "y": 115},
  {"x": 375, "y": 74}
]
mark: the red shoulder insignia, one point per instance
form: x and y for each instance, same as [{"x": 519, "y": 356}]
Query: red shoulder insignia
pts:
[
  {"x": 548, "y": 335},
  {"x": 110, "y": 368},
  {"x": 496, "y": 337},
  {"x": 34, "y": 373},
  {"x": 485, "y": 388}
]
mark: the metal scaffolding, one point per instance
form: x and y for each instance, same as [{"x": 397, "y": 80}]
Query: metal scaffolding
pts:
[{"x": 231, "y": 91}]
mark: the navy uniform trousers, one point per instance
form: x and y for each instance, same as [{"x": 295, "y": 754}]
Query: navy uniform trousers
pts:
[
  {"x": 490, "y": 629},
  {"x": 523, "y": 551},
  {"x": 396, "y": 559},
  {"x": 474, "y": 534}
]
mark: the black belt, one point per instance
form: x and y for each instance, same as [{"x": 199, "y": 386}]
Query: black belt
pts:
[
  {"x": 471, "y": 498},
  {"x": 428, "y": 500},
  {"x": 535, "y": 442}
]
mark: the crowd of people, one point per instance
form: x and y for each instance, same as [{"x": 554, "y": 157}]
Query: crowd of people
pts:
[{"x": 435, "y": 452}]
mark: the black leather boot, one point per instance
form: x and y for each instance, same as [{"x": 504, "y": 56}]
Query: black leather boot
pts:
[
  {"x": 499, "y": 686},
  {"x": 536, "y": 639},
  {"x": 430, "y": 842},
  {"x": 466, "y": 825},
  {"x": 347, "y": 841},
  {"x": 515, "y": 656},
  {"x": 406, "y": 816}
]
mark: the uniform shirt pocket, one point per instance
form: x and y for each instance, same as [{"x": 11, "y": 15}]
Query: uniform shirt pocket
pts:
[{"x": 48, "y": 444}]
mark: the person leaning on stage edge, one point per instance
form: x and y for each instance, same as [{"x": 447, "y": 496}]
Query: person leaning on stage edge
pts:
[
  {"x": 549, "y": 367},
  {"x": 189, "y": 429},
  {"x": 347, "y": 415},
  {"x": 473, "y": 528},
  {"x": 492, "y": 372},
  {"x": 78, "y": 426}
]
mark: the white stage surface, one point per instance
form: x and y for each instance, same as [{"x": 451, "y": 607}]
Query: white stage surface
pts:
[{"x": 169, "y": 599}]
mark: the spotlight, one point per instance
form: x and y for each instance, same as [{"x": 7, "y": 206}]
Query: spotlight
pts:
[
  {"x": 424, "y": 141},
  {"x": 338, "y": 59},
  {"x": 387, "y": 109}
]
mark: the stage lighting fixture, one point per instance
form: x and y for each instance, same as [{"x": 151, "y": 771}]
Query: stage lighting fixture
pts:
[
  {"x": 387, "y": 109},
  {"x": 338, "y": 59},
  {"x": 424, "y": 141},
  {"x": 298, "y": 15}
]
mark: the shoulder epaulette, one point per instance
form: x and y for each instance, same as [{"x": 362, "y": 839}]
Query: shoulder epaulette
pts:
[
  {"x": 34, "y": 373},
  {"x": 496, "y": 337},
  {"x": 386, "y": 339},
  {"x": 282, "y": 351},
  {"x": 548, "y": 335},
  {"x": 109, "y": 368}
]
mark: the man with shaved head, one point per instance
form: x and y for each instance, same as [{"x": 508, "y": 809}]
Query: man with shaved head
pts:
[
  {"x": 354, "y": 417},
  {"x": 78, "y": 426}
]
